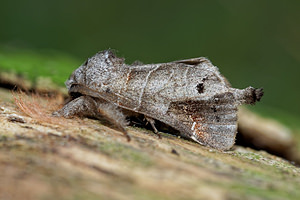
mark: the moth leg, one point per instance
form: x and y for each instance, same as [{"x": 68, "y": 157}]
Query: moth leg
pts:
[
  {"x": 111, "y": 113},
  {"x": 152, "y": 123},
  {"x": 82, "y": 106},
  {"x": 86, "y": 106}
]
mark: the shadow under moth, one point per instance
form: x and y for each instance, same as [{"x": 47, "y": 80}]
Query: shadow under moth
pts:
[{"x": 189, "y": 95}]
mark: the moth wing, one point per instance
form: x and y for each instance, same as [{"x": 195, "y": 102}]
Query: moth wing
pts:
[
  {"x": 201, "y": 60},
  {"x": 193, "y": 61},
  {"x": 209, "y": 122}
]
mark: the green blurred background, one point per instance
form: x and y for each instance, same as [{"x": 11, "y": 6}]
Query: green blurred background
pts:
[{"x": 253, "y": 42}]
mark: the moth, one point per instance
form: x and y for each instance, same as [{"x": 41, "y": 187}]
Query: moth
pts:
[{"x": 189, "y": 95}]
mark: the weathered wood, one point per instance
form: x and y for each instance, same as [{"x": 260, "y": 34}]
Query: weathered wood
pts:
[{"x": 83, "y": 159}]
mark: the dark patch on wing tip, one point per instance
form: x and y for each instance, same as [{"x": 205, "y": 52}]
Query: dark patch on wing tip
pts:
[
  {"x": 254, "y": 95},
  {"x": 258, "y": 93},
  {"x": 200, "y": 88}
]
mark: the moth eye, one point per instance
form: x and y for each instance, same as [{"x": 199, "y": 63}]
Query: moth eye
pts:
[
  {"x": 200, "y": 88},
  {"x": 86, "y": 62}
]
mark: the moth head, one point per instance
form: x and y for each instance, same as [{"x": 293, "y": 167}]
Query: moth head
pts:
[
  {"x": 102, "y": 59},
  {"x": 97, "y": 68}
]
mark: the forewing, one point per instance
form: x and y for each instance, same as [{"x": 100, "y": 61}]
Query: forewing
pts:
[{"x": 210, "y": 122}]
